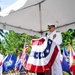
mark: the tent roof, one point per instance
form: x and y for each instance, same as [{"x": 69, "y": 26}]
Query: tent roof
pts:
[{"x": 35, "y": 15}]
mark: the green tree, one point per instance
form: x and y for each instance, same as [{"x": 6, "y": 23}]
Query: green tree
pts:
[
  {"x": 0, "y": 9},
  {"x": 1, "y": 35},
  {"x": 1, "y": 32},
  {"x": 68, "y": 38},
  {"x": 14, "y": 42}
]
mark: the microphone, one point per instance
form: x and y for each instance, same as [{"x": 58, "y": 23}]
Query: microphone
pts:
[{"x": 46, "y": 34}]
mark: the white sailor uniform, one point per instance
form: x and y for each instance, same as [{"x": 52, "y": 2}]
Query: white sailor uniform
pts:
[{"x": 56, "y": 67}]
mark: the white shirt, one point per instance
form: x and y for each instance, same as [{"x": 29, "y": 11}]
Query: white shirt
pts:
[
  {"x": 57, "y": 39},
  {"x": 1, "y": 57}
]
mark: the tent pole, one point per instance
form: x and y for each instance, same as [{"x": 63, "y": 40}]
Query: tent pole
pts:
[{"x": 40, "y": 19}]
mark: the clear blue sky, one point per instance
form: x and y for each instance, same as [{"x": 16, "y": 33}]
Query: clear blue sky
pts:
[{"x": 6, "y": 3}]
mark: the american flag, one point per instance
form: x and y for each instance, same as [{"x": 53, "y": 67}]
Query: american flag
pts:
[
  {"x": 72, "y": 60},
  {"x": 42, "y": 55},
  {"x": 72, "y": 54},
  {"x": 23, "y": 61}
]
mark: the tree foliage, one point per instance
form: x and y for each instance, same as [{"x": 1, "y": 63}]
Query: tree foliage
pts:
[
  {"x": 14, "y": 42},
  {"x": 1, "y": 32},
  {"x": 68, "y": 38}
]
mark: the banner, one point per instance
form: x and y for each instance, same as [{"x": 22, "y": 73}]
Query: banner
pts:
[{"x": 42, "y": 55}]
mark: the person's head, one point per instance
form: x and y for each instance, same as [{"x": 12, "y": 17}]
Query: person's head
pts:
[{"x": 51, "y": 28}]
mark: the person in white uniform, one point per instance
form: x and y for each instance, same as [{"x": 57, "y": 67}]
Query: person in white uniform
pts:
[
  {"x": 57, "y": 38},
  {"x": 1, "y": 59}
]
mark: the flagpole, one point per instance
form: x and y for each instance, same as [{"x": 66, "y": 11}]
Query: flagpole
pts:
[{"x": 25, "y": 40}]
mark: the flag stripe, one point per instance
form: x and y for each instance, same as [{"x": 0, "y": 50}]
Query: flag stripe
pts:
[
  {"x": 24, "y": 52},
  {"x": 35, "y": 68},
  {"x": 44, "y": 63}
]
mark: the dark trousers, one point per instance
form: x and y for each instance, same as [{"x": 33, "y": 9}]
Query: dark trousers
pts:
[
  {"x": 40, "y": 73},
  {"x": 45, "y": 73}
]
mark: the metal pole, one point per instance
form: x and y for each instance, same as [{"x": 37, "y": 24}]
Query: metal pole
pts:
[
  {"x": 40, "y": 18},
  {"x": 0, "y": 7}
]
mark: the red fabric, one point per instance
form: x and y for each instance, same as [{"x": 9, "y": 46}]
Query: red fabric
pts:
[
  {"x": 72, "y": 69},
  {"x": 39, "y": 69},
  {"x": 16, "y": 68},
  {"x": 37, "y": 42},
  {"x": 72, "y": 60},
  {"x": 0, "y": 63},
  {"x": 24, "y": 55}
]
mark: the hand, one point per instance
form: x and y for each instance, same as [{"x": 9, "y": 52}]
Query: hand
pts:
[{"x": 54, "y": 36}]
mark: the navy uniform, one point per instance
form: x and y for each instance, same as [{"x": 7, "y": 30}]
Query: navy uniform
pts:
[{"x": 56, "y": 37}]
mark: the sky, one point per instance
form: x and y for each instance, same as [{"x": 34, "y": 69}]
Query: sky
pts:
[{"x": 6, "y": 3}]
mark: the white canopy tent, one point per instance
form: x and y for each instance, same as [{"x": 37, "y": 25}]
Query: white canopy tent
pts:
[{"x": 35, "y": 15}]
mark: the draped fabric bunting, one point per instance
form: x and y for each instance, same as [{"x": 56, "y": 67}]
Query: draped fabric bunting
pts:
[{"x": 42, "y": 55}]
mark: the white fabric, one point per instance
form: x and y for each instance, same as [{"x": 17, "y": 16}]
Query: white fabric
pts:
[
  {"x": 1, "y": 58},
  {"x": 58, "y": 12},
  {"x": 17, "y": 5},
  {"x": 57, "y": 39},
  {"x": 41, "y": 48},
  {"x": 56, "y": 67}
]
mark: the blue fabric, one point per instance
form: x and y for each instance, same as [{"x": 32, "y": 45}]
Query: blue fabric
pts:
[
  {"x": 65, "y": 52},
  {"x": 65, "y": 66},
  {"x": 9, "y": 62}
]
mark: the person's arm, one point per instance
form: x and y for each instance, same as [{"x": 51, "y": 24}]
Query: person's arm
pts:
[{"x": 58, "y": 38}]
